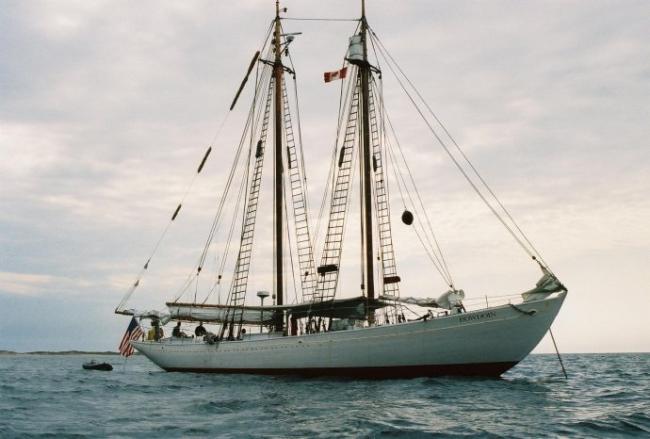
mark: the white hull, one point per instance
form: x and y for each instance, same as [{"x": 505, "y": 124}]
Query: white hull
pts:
[{"x": 486, "y": 342}]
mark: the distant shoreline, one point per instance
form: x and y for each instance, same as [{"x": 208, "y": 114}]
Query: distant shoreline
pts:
[{"x": 2, "y": 352}]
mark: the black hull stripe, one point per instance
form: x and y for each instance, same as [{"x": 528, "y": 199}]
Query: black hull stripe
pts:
[{"x": 476, "y": 369}]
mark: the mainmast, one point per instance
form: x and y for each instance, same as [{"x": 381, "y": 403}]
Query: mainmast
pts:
[
  {"x": 278, "y": 205},
  {"x": 365, "y": 161}
]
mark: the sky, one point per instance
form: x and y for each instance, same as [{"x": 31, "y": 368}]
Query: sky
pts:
[{"x": 106, "y": 108}]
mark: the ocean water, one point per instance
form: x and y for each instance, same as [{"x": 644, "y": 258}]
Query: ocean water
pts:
[{"x": 606, "y": 395}]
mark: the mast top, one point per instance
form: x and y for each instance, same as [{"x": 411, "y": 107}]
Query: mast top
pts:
[
  {"x": 278, "y": 10},
  {"x": 364, "y": 30}
]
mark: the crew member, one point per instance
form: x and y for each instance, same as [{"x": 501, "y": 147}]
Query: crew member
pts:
[
  {"x": 160, "y": 334},
  {"x": 177, "y": 331},
  {"x": 156, "y": 332},
  {"x": 200, "y": 330}
]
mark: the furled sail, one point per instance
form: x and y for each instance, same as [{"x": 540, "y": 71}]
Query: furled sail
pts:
[
  {"x": 354, "y": 308},
  {"x": 448, "y": 300}
]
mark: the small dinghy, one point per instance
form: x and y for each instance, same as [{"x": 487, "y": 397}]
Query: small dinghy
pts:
[{"x": 93, "y": 365}]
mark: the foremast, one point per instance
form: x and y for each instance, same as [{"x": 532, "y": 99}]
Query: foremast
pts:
[{"x": 278, "y": 193}]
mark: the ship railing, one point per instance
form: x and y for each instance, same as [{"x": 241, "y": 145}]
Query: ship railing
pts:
[
  {"x": 477, "y": 303},
  {"x": 179, "y": 340}
]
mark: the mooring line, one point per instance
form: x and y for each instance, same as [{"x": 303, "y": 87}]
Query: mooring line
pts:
[{"x": 557, "y": 351}]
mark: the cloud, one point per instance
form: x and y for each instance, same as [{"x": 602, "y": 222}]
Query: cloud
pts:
[{"x": 28, "y": 284}]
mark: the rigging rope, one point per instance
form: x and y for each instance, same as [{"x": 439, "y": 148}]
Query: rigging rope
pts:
[
  {"x": 432, "y": 256},
  {"x": 217, "y": 218},
  {"x": 233, "y": 222},
  {"x": 522, "y": 240},
  {"x": 435, "y": 246},
  {"x": 293, "y": 274},
  {"x": 343, "y": 102},
  {"x": 346, "y": 84},
  {"x": 318, "y": 19},
  {"x": 394, "y": 310},
  {"x": 131, "y": 290},
  {"x": 536, "y": 255},
  {"x": 302, "y": 152},
  {"x": 439, "y": 256}
]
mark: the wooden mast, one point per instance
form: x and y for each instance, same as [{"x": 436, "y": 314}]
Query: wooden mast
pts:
[
  {"x": 278, "y": 206},
  {"x": 366, "y": 187}
]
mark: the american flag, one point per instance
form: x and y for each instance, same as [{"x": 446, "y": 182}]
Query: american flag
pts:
[
  {"x": 333, "y": 76},
  {"x": 133, "y": 332}
]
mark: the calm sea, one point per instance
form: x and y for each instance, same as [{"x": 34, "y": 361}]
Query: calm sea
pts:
[{"x": 51, "y": 396}]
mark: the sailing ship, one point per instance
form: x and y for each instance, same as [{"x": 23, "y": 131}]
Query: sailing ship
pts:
[{"x": 375, "y": 333}]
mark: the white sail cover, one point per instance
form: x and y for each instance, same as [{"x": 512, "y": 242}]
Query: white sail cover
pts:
[
  {"x": 449, "y": 300},
  {"x": 419, "y": 301},
  {"x": 218, "y": 313},
  {"x": 547, "y": 285}
]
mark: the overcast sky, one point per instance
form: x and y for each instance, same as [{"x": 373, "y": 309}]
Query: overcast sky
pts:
[{"x": 106, "y": 108}]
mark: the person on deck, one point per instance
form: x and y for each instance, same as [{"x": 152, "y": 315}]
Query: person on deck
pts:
[
  {"x": 155, "y": 333},
  {"x": 160, "y": 334},
  {"x": 200, "y": 330},
  {"x": 177, "y": 331}
]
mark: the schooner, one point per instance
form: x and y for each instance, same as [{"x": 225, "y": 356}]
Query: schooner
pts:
[{"x": 374, "y": 333}]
